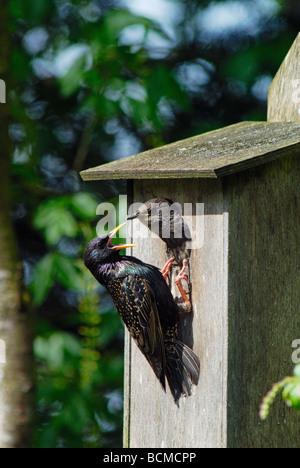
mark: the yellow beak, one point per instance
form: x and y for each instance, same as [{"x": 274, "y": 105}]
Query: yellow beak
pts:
[{"x": 121, "y": 246}]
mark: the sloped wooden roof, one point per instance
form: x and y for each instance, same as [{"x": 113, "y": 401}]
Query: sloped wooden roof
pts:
[{"x": 211, "y": 155}]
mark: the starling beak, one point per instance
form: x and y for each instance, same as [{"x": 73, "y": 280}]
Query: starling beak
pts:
[
  {"x": 164, "y": 217},
  {"x": 120, "y": 246},
  {"x": 147, "y": 307}
]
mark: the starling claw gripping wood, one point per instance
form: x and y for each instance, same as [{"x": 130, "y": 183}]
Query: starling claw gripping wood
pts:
[{"x": 147, "y": 307}]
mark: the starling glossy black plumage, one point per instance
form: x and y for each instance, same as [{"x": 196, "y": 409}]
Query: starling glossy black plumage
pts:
[
  {"x": 164, "y": 217},
  {"x": 148, "y": 310}
]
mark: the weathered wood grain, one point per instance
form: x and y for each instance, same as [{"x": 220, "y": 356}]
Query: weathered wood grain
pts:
[
  {"x": 246, "y": 301},
  {"x": 245, "y": 296},
  {"x": 154, "y": 420},
  {"x": 211, "y": 155},
  {"x": 263, "y": 300},
  {"x": 284, "y": 92}
]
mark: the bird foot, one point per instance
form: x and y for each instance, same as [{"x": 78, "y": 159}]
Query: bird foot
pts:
[
  {"x": 166, "y": 269},
  {"x": 182, "y": 275}
]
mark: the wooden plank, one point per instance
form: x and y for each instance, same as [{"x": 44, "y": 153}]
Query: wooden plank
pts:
[
  {"x": 155, "y": 421},
  {"x": 263, "y": 281},
  {"x": 263, "y": 276},
  {"x": 214, "y": 154},
  {"x": 128, "y": 342},
  {"x": 263, "y": 300},
  {"x": 245, "y": 296},
  {"x": 284, "y": 92}
]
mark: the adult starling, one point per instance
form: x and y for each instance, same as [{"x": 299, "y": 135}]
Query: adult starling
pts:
[
  {"x": 146, "y": 305},
  {"x": 163, "y": 216}
]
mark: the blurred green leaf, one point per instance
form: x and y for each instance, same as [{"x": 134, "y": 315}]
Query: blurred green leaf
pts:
[
  {"x": 242, "y": 66},
  {"x": 20, "y": 64},
  {"x": 57, "y": 349},
  {"x": 55, "y": 220},
  {"x": 67, "y": 273},
  {"x": 291, "y": 395},
  {"x": 55, "y": 267},
  {"x": 297, "y": 371},
  {"x": 74, "y": 77},
  {"x": 43, "y": 278},
  {"x": 84, "y": 205},
  {"x": 117, "y": 20},
  {"x": 290, "y": 388},
  {"x": 291, "y": 392},
  {"x": 33, "y": 13}
]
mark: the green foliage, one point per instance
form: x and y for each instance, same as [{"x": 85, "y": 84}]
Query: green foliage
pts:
[
  {"x": 24, "y": 9},
  {"x": 59, "y": 217},
  {"x": 51, "y": 268},
  {"x": 71, "y": 412},
  {"x": 79, "y": 375},
  {"x": 290, "y": 389},
  {"x": 83, "y": 205},
  {"x": 43, "y": 278},
  {"x": 115, "y": 80},
  {"x": 56, "y": 221},
  {"x": 76, "y": 371},
  {"x": 56, "y": 217}
]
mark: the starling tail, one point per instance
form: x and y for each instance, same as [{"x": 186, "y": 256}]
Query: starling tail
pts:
[{"x": 182, "y": 371}]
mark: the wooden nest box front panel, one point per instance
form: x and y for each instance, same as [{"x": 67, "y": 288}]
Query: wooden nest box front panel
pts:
[{"x": 245, "y": 277}]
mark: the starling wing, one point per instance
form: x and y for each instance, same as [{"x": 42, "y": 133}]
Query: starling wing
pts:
[
  {"x": 168, "y": 357},
  {"x": 137, "y": 306}
]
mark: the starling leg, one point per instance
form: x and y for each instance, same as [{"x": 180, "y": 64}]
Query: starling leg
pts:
[
  {"x": 166, "y": 269},
  {"x": 179, "y": 278}
]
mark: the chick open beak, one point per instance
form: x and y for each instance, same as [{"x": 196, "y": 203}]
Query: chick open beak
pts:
[{"x": 120, "y": 246}]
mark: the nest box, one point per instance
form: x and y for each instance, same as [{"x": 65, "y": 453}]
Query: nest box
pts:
[{"x": 245, "y": 277}]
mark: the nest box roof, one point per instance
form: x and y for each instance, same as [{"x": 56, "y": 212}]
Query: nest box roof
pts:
[{"x": 211, "y": 155}]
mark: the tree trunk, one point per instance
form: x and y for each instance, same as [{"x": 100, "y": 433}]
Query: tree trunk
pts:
[{"x": 16, "y": 374}]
